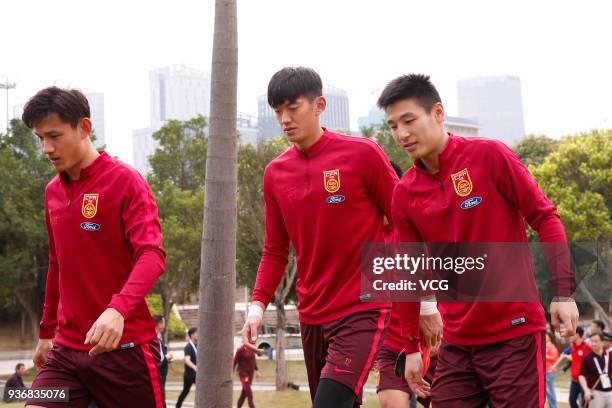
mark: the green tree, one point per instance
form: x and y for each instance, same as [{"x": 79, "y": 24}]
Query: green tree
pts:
[
  {"x": 251, "y": 234},
  {"x": 177, "y": 175},
  {"x": 533, "y": 150},
  {"x": 577, "y": 177},
  {"x": 24, "y": 172},
  {"x": 180, "y": 215},
  {"x": 218, "y": 271},
  {"x": 181, "y": 156}
]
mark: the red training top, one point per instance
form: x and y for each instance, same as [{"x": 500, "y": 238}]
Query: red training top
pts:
[
  {"x": 579, "y": 352},
  {"x": 105, "y": 250},
  {"x": 244, "y": 361},
  {"x": 487, "y": 200},
  {"x": 552, "y": 354},
  {"x": 326, "y": 201}
]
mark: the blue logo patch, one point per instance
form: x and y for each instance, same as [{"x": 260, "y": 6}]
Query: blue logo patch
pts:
[
  {"x": 335, "y": 199},
  {"x": 471, "y": 202},
  {"x": 90, "y": 226}
]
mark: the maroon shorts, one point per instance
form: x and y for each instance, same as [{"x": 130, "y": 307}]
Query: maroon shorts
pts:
[
  {"x": 121, "y": 378},
  {"x": 344, "y": 350},
  {"x": 388, "y": 380},
  {"x": 509, "y": 374}
]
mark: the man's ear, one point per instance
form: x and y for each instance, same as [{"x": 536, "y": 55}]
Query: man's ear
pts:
[
  {"x": 438, "y": 112},
  {"x": 85, "y": 126},
  {"x": 320, "y": 104}
]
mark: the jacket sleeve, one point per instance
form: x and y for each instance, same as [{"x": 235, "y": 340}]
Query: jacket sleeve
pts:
[
  {"x": 48, "y": 324},
  {"x": 405, "y": 231},
  {"x": 380, "y": 181},
  {"x": 276, "y": 247},
  {"x": 143, "y": 232},
  {"x": 518, "y": 186}
]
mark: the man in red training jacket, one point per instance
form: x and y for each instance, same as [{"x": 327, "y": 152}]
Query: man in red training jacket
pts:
[
  {"x": 97, "y": 337},
  {"x": 326, "y": 195},
  {"x": 474, "y": 190}
]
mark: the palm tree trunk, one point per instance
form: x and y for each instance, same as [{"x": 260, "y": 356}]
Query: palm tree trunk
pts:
[{"x": 218, "y": 270}]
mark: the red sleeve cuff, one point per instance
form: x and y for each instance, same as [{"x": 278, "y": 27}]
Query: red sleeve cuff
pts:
[
  {"x": 47, "y": 332},
  {"x": 411, "y": 345}
]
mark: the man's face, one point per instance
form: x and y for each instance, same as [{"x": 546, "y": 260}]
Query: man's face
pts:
[
  {"x": 21, "y": 371},
  {"x": 299, "y": 120},
  {"x": 194, "y": 337},
  {"x": 576, "y": 338},
  {"x": 596, "y": 344},
  {"x": 595, "y": 328},
  {"x": 415, "y": 130},
  {"x": 62, "y": 143},
  {"x": 161, "y": 326}
]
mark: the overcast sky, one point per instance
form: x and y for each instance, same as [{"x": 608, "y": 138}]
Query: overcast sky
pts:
[{"x": 561, "y": 50}]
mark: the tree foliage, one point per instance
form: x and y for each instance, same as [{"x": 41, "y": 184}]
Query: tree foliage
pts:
[
  {"x": 24, "y": 172},
  {"x": 533, "y": 150},
  {"x": 577, "y": 177},
  {"x": 176, "y": 179}
]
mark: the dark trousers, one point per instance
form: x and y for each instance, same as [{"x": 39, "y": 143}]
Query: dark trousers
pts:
[
  {"x": 575, "y": 392},
  {"x": 163, "y": 373},
  {"x": 188, "y": 381}
]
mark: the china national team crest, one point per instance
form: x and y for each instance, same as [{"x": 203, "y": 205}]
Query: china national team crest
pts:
[
  {"x": 462, "y": 182},
  {"x": 331, "y": 180},
  {"x": 90, "y": 205}
]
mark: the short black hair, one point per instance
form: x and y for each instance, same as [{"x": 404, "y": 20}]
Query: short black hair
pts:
[
  {"x": 69, "y": 104},
  {"x": 192, "y": 330},
  {"x": 19, "y": 366},
  {"x": 601, "y": 324},
  {"x": 158, "y": 319},
  {"x": 580, "y": 331},
  {"x": 413, "y": 86},
  {"x": 290, "y": 83},
  {"x": 598, "y": 335}
]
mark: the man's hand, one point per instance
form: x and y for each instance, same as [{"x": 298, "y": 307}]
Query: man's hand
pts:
[
  {"x": 250, "y": 330},
  {"x": 170, "y": 356},
  {"x": 106, "y": 332},
  {"x": 431, "y": 330},
  {"x": 564, "y": 311},
  {"x": 588, "y": 396},
  {"x": 42, "y": 350},
  {"x": 413, "y": 373}
]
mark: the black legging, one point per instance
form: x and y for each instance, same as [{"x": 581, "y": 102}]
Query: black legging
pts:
[
  {"x": 332, "y": 394},
  {"x": 188, "y": 381}
]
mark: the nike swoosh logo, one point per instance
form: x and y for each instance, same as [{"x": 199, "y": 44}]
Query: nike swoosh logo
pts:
[{"x": 339, "y": 370}]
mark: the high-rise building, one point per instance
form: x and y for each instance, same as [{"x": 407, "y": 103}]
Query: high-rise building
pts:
[
  {"x": 96, "y": 108},
  {"x": 335, "y": 117},
  {"x": 495, "y": 102},
  {"x": 461, "y": 126},
  {"x": 246, "y": 125},
  {"x": 176, "y": 92},
  {"x": 374, "y": 118},
  {"x": 144, "y": 146}
]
